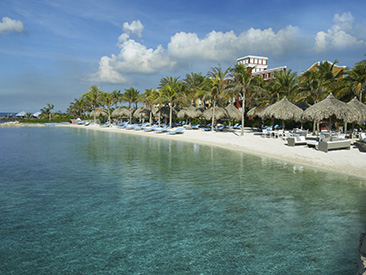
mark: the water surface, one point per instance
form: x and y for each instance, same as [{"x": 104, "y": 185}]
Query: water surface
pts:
[{"x": 82, "y": 201}]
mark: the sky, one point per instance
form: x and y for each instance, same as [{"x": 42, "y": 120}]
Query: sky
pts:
[{"x": 53, "y": 51}]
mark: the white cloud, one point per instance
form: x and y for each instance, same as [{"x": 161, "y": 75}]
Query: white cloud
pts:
[
  {"x": 339, "y": 36},
  {"x": 135, "y": 28},
  {"x": 7, "y": 25},
  {"x": 226, "y": 47},
  {"x": 187, "y": 48}
]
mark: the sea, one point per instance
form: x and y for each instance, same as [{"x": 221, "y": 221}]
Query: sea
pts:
[{"x": 80, "y": 201}]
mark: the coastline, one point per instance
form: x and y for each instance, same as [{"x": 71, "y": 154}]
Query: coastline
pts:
[{"x": 348, "y": 162}]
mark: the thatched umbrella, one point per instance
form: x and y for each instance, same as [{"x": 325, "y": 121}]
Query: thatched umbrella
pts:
[
  {"x": 142, "y": 111},
  {"x": 361, "y": 117},
  {"x": 284, "y": 110},
  {"x": 327, "y": 108},
  {"x": 220, "y": 113},
  {"x": 121, "y": 112},
  {"x": 233, "y": 112},
  {"x": 98, "y": 112}
]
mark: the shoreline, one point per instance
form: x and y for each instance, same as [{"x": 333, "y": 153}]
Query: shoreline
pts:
[{"x": 347, "y": 162}]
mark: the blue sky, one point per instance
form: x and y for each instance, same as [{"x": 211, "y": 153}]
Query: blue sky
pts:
[{"x": 53, "y": 51}]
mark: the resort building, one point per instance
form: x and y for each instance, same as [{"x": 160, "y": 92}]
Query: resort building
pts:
[
  {"x": 259, "y": 66},
  {"x": 335, "y": 69}
]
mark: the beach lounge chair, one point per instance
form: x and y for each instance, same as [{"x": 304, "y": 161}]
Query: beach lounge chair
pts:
[
  {"x": 325, "y": 146},
  {"x": 152, "y": 128},
  {"x": 176, "y": 131},
  {"x": 107, "y": 124},
  {"x": 131, "y": 127},
  {"x": 162, "y": 130},
  {"x": 193, "y": 127},
  {"x": 142, "y": 126},
  {"x": 296, "y": 140},
  {"x": 220, "y": 128}
]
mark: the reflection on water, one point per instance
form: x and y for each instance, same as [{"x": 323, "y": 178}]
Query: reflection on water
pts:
[{"x": 82, "y": 201}]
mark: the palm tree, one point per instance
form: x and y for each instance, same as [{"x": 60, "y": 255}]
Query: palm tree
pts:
[
  {"x": 92, "y": 97},
  {"x": 131, "y": 95},
  {"x": 218, "y": 84},
  {"x": 356, "y": 80},
  {"x": 194, "y": 83},
  {"x": 149, "y": 98},
  {"x": 46, "y": 111},
  {"x": 108, "y": 100},
  {"x": 286, "y": 84},
  {"x": 241, "y": 83},
  {"x": 117, "y": 97},
  {"x": 172, "y": 89},
  {"x": 77, "y": 107}
]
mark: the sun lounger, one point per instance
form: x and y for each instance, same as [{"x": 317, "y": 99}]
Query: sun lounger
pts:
[
  {"x": 107, "y": 124},
  {"x": 176, "y": 131},
  {"x": 193, "y": 127},
  {"x": 152, "y": 128},
  {"x": 162, "y": 130},
  {"x": 296, "y": 140},
  {"x": 325, "y": 146},
  {"x": 141, "y": 127}
]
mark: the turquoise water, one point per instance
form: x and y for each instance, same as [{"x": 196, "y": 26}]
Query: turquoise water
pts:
[{"x": 78, "y": 201}]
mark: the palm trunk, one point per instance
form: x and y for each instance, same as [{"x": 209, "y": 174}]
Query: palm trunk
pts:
[
  {"x": 213, "y": 116},
  {"x": 242, "y": 115},
  {"x": 170, "y": 115}
]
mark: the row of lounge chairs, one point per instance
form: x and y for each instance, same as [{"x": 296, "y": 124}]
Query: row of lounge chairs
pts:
[{"x": 147, "y": 128}]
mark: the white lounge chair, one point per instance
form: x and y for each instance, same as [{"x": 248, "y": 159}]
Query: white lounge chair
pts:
[{"x": 296, "y": 140}]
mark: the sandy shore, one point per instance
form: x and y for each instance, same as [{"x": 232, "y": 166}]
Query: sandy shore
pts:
[{"x": 351, "y": 162}]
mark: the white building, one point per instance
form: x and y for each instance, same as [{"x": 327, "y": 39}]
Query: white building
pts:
[{"x": 259, "y": 66}]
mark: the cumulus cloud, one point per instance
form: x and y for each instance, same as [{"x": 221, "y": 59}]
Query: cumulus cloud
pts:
[
  {"x": 187, "y": 48},
  {"x": 226, "y": 47},
  {"x": 135, "y": 28},
  {"x": 10, "y": 25},
  {"x": 339, "y": 36}
]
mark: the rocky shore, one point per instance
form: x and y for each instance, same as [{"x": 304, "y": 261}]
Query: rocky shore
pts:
[{"x": 361, "y": 262}]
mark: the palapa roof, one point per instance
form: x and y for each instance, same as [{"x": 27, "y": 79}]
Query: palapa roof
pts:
[
  {"x": 191, "y": 112},
  {"x": 142, "y": 111},
  {"x": 233, "y": 112},
  {"x": 99, "y": 112},
  {"x": 121, "y": 111},
  {"x": 219, "y": 113},
  {"x": 284, "y": 110},
  {"x": 328, "y": 107},
  {"x": 357, "y": 105}
]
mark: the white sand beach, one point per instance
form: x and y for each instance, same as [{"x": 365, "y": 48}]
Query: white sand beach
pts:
[{"x": 350, "y": 162}]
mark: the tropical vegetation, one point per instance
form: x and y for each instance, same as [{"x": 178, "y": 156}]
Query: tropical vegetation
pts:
[{"x": 218, "y": 88}]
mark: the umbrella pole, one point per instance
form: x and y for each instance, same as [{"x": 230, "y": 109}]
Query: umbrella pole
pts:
[{"x": 345, "y": 127}]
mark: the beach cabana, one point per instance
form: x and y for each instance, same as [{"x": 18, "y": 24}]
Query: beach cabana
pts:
[
  {"x": 361, "y": 115},
  {"x": 284, "y": 110},
  {"x": 98, "y": 112},
  {"x": 329, "y": 108},
  {"x": 36, "y": 114},
  {"x": 233, "y": 112},
  {"x": 143, "y": 112},
  {"x": 21, "y": 114},
  {"x": 189, "y": 112},
  {"x": 121, "y": 112}
]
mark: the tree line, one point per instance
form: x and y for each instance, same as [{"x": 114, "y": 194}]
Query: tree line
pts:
[{"x": 222, "y": 86}]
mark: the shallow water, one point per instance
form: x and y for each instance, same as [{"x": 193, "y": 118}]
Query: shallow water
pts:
[{"x": 83, "y": 201}]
